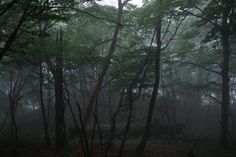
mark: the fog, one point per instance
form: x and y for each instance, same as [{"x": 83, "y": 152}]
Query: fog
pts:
[{"x": 117, "y": 78}]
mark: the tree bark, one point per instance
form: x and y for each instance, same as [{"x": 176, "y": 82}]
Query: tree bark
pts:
[
  {"x": 127, "y": 127},
  {"x": 224, "y": 137},
  {"x": 59, "y": 99},
  {"x": 14, "y": 127},
  {"x": 141, "y": 146},
  {"x": 106, "y": 64},
  {"x": 14, "y": 98},
  {"x": 45, "y": 123},
  {"x": 113, "y": 124},
  {"x": 82, "y": 138}
]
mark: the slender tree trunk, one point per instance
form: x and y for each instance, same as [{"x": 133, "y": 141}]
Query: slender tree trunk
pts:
[
  {"x": 59, "y": 99},
  {"x": 106, "y": 64},
  {"x": 109, "y": 103},
  {"x": 113, "y": 124},
  {"x": 83, "y": 84},
  {"x": 127, "y": 127},
  {"x": 83, "y": 132},
  {"x": 82, "y": 138},
  {"x": 173, "y": 94},
  {"x": 12, "y": 99},
  {"x": 225, "y": 92},
  {"x": 45, "y": 124},
  {"x": 14, "y": 127},
  {"x": 225, "y": 75},
  {"x": 131, "y": 101},
  {"x": 141, "y": 146},
  {"x": 225, "y": 98}
]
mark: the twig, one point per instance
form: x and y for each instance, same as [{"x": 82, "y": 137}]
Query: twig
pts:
[
  {"x": 214, "y": 98},
  {"x": 175, "y": 32}
]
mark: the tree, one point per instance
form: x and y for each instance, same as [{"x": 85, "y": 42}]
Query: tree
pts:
[
  {"x": 45, "y": 122},
  {"x": 107, "y": 61},
  {"x": 228, "y": 7},
  {"x": 26, "y": 14},
  {"x": 163, "y": 8},
  {"x": 7, "y": 15},
  {"x": 59, "y": 96},
  {"x": 222, "y": 11}
]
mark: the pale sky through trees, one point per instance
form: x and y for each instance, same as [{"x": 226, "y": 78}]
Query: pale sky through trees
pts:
[{"x": 114, "y": 2}]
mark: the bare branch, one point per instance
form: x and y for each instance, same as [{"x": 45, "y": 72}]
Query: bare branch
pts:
[
  {"x": 214, "y": 98},
  {"x": 201, "y": 17},
  {"x": 202, "y": 67},
  {"x": 167, "y": 29},
  {"x": 175, "y": 32},
  {"x": 125, "y": 2},
  {"x": 94, "y": 16}
]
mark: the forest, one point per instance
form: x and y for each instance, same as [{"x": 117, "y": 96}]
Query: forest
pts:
[{"x": 117, "y": 78}]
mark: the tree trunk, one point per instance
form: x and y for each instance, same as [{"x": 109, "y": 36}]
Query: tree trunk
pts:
[
  {"x": 225, "y": 91},
  {"x": 127, "y": 127},
  {"x": 141, "y": 146},
  {"x": 14, "y": 127},
  {"x": 13, "y": 102},
  {"x": 224, "y": 137},
  {"x": 59, "y": 101},
  {"x": 45, "y": 123},
  {"x": 106, "y": 64},
  {"x": 225, "y": 94},
  {"x": 113, "y": 124}
]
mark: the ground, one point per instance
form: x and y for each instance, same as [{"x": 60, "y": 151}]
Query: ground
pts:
[{"x": 155, "y": 148}]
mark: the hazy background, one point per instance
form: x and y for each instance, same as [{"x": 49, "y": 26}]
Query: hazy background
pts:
[{"x": 114, "y": 2}]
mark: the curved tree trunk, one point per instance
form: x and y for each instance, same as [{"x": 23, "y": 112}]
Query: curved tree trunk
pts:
[{"x": 106, "y": 64}]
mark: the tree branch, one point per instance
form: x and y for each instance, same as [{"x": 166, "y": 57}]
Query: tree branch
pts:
[
  {"x": 202, "y": 67},
  {"x": 214, "y": 98},
  {"x": 175, "y": 32},
  {"x": 167, "y": 29}
]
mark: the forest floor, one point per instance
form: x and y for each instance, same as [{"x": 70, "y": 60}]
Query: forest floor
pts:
[{"x": 155, "y": 148}]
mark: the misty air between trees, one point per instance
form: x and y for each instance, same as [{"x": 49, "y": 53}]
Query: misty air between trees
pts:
[{"x": 83, "y": 78}]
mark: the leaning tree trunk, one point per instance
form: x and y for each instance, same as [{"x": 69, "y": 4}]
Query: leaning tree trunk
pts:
[
  {"x": 141, "y": 146},
  {"x": 59, "y": 101},
  {"x": 106, "y": 64},
  {"x": 225, "y": 79}
]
